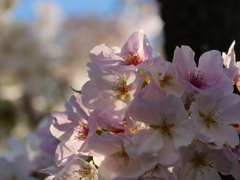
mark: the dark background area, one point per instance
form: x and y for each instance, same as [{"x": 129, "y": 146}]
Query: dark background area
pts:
[{"x": 201, "y": 24}]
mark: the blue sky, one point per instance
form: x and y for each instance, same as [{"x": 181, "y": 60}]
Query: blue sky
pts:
[{"x": 24, "y": 9}]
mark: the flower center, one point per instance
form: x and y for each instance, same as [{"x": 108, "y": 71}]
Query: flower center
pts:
[
  {"x": 82, "y": 131},
  {"x": 200, "y": 160},
  {"x": 122, "y": 156},
  {"x": 210, "y": 119},
  {"x": 133, "y": 58},
  {"x": 164, "y": 127},
  {"x": 121, "y": 89},
  {"x": 197, "y": 78},
  {"x": 83, "y": 174},
  {"x": 166, "y": 79}
]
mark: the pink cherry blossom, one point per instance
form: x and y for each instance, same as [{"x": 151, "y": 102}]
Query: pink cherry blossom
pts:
[
  {"x": 110, "y": 90},
  {"x": 152, "y": 90},
  {"x": 74, "y": 169},
  {"x": 168, "y": 128},
  {"x": 213, "y": 112},
  {"x": 72, "y": 130},
  {"x": 164, "y": 74},
  {"x": 229, "y": 61},
  {"x": 208, "y": 74},
  {"x": 232, "y": 67},
  {"x": 136, "y": 49},
  {"x": 117, "y": 162},
  {"x": 200, "y": 162}
]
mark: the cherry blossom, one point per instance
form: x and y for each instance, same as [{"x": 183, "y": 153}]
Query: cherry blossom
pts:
[
  {"x": 73, "y": 131},
  {"x": 110, "y": 90},
  {"x": 213, "y": 112},
  {"x": 164, "y": 74},
  {"x": 142, "y": 118},
  {"x": 117, "y": 162},
  {"x": 136, "y": 50},
  {"x": 232, "y": 67},
  {"x": 168, "y": 128},
  {"x": 74, "y": 169},
  {"x": 208, "y": 74},
  {"x": 200, "y": 162}
]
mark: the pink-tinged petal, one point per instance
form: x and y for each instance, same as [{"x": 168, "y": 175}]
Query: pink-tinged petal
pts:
[
  {"x": 63, "y": 124},
  {"x": 139, "y": 43},
  {"x": 229, "y": 107},
  {"x": 108, "y": 123},
  {"x": 152, "y": 91},
  {"x": 92, "y": 127},
  {"x": 102, "y": 77},
  {"x": 207, "y": 174},
  {"x": 164, "y": 74},
  {"x": 106, "y": 145},
  {"x": 91, "y": 101},
  {"x": 209, "y": 60},
  {"x": 147, "y": 162},
  {"x": 109, "y": 169},
  {"x": 168, "y": 154},
  {"x": 67, "y": 151},
  {"x": 231, "y": 116},
  {"x": 170, "y": 104},
  {"x": 132, "y": 169},
  {"x": 187, "y": 154},
  {"x": 183, "y": 134},
  {"x": 187, "y": 172},
  {"x": 206, "y": 99},
  {"x": 220, "y": 81},
  {"x": 231, "y": 53},
  {"x": 228, "y": 102},
  {"x": 220, "y": 160},
  {"x": 231, "y": 72},
  {"x": 147, "y": 141},
  {"x": 184, "y": 60},
  {"x": 229, "y": 134},
  {"x": 146, "y": 110},
  {"x": 229, "y": 62},
  {"x": 76, "y": 101},
  {"x": 105, "y": 55}
]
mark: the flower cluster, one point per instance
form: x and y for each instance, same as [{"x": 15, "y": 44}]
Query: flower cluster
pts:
[{"x": 141, "y": 117}]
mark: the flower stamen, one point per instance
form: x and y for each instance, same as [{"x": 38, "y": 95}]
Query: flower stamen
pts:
[
  {"x": 164, "y": 127},
  {"x": 81, "y": 174},
  {"x": 82, "y": 131},
  {"x": 133, "y": 58},
  {"x": 166, "y": 79},
  {"x": 197, "y": 78},
  {"x": 121, "y": 88}
]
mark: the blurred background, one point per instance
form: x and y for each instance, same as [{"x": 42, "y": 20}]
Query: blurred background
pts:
[{"x": 45, "y": 45}]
